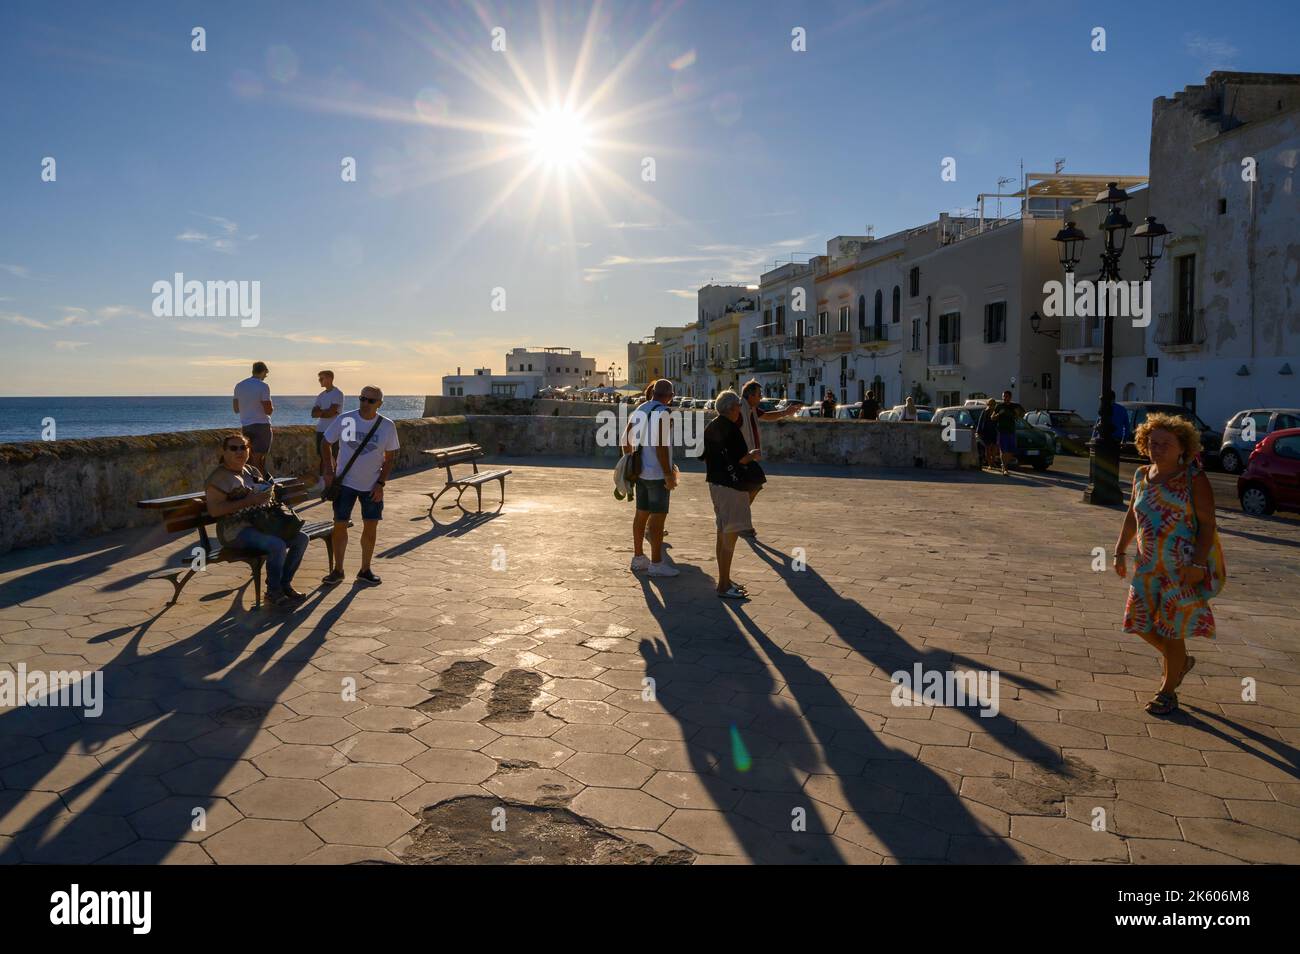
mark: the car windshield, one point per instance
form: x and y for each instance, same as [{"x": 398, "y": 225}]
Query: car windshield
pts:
[{"x": 1069, "y": 419}]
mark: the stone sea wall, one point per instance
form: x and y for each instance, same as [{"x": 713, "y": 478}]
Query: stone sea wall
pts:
[{"x": 56, "y": 491}]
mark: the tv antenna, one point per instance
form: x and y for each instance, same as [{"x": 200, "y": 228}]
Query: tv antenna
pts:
[
  {"x": 1060, "y": 164},
  {"x": 1002, "y": 180}
]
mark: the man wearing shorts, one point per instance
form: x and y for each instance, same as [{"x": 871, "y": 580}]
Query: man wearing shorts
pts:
[
  {"x": 364, "y": 480},
  {"x": 648, "y": 428},
  {"x": 728, "y": 460},
  {"x": 252, "y": 402}
]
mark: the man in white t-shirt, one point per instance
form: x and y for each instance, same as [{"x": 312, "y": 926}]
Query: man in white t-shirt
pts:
[
  {"x": 252, "y": 402},
  {"x": 363, "y": 480},
  {"x": 329, "y": 405},
  {"x": 649, "y": 428}
]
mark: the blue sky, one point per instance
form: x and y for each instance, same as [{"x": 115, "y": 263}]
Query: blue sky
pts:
[{"x": 225, "y": 164}]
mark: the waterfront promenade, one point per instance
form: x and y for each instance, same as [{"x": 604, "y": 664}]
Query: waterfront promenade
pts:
[{"x": 503, "y": 665}]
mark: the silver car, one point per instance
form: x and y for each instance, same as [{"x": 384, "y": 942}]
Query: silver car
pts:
[{"x": 1262, "y": 422}]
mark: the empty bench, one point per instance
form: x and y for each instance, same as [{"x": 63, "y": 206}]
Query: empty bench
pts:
[
  {"x": 185, "y": 512},
  {"x": 450, "y": 457}
]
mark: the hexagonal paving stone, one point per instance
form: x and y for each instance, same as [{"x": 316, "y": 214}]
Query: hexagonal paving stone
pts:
[
  {"x": 211, "y": 777},
  {"x": 286, "y": 799},
  {"x": 174, "y": 819},
  {"x": 608, "y": 771},
  {"x": 440, "y": 734},
  {"x": 373, "y": 824},
  {"x": 596, "y": 738},
  {"x": 451, "y": 765},
  {"x": 535, "y": 786},
  {"x": 257, "y": 841},
  {"x": 383, "y": 783},
  {"x": 388, "y": 747},
  {"x": 315, "y": 730},
  {"x": 300, "y": 761},
  {"x": 388, "y": 719},
  {"x": 621, "y": 808},
  {"x": 546, "y": 753}
]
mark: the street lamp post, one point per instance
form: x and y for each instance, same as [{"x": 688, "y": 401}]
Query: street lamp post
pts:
[{"x": 1103, "y": 452}]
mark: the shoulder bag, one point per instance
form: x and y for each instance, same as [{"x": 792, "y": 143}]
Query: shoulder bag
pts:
[{"x": 332, "y": 488}]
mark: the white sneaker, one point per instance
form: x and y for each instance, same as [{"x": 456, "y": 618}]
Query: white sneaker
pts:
[
  {"x": 640, "y": 563},
  {"x": 664, "y": 569}
]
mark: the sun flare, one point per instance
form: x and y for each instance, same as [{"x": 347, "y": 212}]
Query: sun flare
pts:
[{"x": 559, "y": 138}]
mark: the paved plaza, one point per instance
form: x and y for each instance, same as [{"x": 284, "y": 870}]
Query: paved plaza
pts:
[{"x": 512, "y": 662}]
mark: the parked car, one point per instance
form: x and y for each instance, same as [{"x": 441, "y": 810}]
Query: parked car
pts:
[
  {"x": 810, "y": 410},
  {"x": 1236, "y": 449},
  {"x": 1137, "y": 413},
  {"x": 1271, "y": 480},
  {"x": 708, "y": 406},
  {"x": 1034, "y": 445},
  {"x": 1072, "y": 430},
  {"x": 895, "y": 413},
  {"x": 848, "y": 412}
]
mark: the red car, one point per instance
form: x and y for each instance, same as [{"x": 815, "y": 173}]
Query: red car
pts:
[{"x": 1271, "y": 480}]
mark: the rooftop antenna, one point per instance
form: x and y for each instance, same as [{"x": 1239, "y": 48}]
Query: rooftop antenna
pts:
[
  {"x": 1060, "y": 164},
  {"x": 1002, "y": 180}
]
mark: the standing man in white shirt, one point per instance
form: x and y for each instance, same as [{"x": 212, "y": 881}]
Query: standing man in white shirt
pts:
[
  {"x": 364, "y": 480},
  {"x": 329, "y": 405},
  {"x": 649, "y": 428},
  {"x": 253, "y": 405}
]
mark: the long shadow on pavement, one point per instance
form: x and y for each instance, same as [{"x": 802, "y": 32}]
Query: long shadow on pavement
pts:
[{"x": 173, "y": 692}]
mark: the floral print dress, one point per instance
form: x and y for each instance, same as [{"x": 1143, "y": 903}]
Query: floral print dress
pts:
[{"x": 1166, "y": 537}]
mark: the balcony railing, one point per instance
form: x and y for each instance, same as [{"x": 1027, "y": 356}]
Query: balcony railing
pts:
[
  {"x": 834, "y": 341},
  {"x": 876, "y": 334},
  {"x": 741, "y": 363},
  {"x": 795, "y": 342},
  {"x": 767, "y": 365},
  {"x": 770, "y": 330},
  {"x": 945, "y": 354},
  {"x": 1183, "y": 331}
]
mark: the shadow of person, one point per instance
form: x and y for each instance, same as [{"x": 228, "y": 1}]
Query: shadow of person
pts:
[
  {"x": 708, "y": 678},
  {"x": 175, "y": 723}
]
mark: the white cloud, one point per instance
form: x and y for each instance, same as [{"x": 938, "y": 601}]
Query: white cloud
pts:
[
  {"x": 1214, "y": 53},
  {"x": 227, "y": 239},
  {"x": 24, "y": 322},
  {"x": 69, "y": 345}
]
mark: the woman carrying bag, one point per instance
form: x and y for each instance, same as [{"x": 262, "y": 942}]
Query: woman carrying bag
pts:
[{"x": 1180, "y": 565}]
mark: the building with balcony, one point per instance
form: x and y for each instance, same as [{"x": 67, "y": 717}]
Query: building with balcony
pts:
[
  {"x": 1226, "y": 327},
  {"x": 559, "y": 367},
  {"x": 786, "y": 297}
]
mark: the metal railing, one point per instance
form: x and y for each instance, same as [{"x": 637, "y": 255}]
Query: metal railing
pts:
[
  {"x": 945, "y": 354},
  {"x": 1181, "y": 329},
  {"x": 874, "y": 334}
]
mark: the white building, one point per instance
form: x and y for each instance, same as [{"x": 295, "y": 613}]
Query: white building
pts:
[
  {"x": 559, "y": 367},
  {"x": 1224, "y": 162},
  {"x": 484, "y": 382}
]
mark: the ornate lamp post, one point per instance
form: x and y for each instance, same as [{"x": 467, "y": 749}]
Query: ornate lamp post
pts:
[{"x": 1103, "y": 459}]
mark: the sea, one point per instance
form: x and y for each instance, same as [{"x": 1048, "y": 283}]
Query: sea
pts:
[{"x": 28, "y": 419}]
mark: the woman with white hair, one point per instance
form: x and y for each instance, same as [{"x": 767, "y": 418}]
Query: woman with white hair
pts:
[{"x": 731, "y": 478}]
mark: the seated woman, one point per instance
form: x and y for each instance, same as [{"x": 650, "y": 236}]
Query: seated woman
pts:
[{"x": 235, "y": 487}]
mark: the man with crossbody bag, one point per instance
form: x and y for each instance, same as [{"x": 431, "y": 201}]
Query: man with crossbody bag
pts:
[{"x": 368, "y": 444}]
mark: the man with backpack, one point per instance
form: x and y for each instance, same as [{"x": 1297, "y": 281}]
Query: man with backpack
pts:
[{"x": 649, "y": 435}]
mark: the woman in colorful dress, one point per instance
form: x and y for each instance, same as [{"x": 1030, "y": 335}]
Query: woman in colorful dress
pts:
[{"x": 1179, "y": 561}]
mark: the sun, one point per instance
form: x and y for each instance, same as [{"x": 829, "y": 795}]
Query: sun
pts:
[{"x": 559, "y": 138}]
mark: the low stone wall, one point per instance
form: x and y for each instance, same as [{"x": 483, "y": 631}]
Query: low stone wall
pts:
[
  {"x": 436, "y": 405},
  {"x": 52, "y": 491}
]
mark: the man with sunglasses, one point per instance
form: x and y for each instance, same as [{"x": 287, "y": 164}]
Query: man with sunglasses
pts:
[{"x": 362, "y": 478}]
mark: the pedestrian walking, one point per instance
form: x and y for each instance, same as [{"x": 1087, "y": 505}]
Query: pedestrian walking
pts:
[
  {"x": 1180, "y": 565},
  {"x": 1005, "y": 415},
  {"x": 729, "y": 465}
]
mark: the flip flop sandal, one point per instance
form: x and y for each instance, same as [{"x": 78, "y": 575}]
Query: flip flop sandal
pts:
[
  {"x": 1163, "y": 703},
  {"x": 733, "y": 593}
]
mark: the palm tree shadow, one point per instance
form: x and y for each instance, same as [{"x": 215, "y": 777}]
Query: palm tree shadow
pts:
[{"x": 153, "y": 689}]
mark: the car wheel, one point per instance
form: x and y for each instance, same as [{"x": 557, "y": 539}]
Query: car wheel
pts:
[
  {"x": 1041, "y": 465},
  {"x": 1257, "y": 501},
  {"x": 1230, "y": 461}
]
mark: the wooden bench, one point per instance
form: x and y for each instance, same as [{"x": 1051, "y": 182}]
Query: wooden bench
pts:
[
  {"x": 189, "y": 512},
  {"x": 449, "y": 457}
]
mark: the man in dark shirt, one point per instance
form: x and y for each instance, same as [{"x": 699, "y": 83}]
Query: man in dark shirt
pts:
[
  {"x": 828, "y": 405},
  {"x": 726, "y": 459},
  {"x": 870, "y": 407},
  {"x": 1005, "y": 415}
]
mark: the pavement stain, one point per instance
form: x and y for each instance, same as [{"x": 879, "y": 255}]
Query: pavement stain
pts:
[
  {"x": 461, "y": 831},
  {"x": 456, "y": 686},
  {"x": 512, "y": 697}
]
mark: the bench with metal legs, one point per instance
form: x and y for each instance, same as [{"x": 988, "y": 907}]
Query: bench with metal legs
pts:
[{"x": 449, "y": 457}]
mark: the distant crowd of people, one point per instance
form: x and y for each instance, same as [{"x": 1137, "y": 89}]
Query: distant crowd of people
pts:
[{"x": 356, "y": 451}]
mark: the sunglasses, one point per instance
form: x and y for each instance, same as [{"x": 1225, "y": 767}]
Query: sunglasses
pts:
[
  {"x": 237, "y": 448},
  {"x": 366, "y": 400}
]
